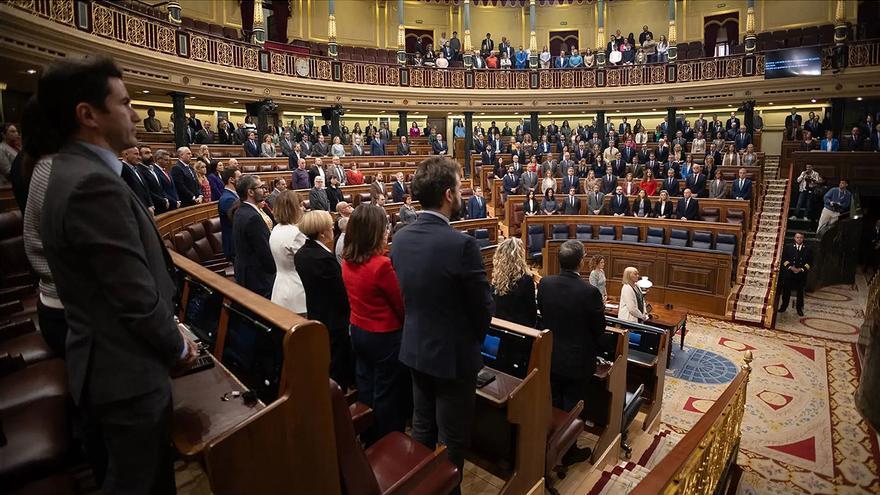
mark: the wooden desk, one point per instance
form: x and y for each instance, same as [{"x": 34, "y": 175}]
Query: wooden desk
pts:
[
  {"x": 609, "y": 381},
  {"x": 498, "y": 391},
  {"x": 670, "y": 319},
  {"x": 200, "y": 416}
]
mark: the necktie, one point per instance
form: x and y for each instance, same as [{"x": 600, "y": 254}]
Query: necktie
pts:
[
  {"x": 687, "y": 203},
  {"x": 741, "y": 183}
]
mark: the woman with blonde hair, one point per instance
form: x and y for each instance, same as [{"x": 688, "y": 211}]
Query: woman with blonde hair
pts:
[
  {"x": 632, "y": 302},
  {"x": 204, "y": 183},
  {"x": 513, "y": 284},
  {"x": 285, "y": 240}
]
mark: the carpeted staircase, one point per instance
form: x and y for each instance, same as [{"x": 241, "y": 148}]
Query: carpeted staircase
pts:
[
  {"x": 623, "y": 477},
  {"x": 751, "y": 294}
]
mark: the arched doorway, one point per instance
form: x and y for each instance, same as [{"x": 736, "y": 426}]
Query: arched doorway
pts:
[
  {"x": 558, "y": 38},
  {"x": 720, "y": 34}
]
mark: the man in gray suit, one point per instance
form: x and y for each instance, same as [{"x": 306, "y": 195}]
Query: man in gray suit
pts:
[
  {"x": 287, "y": 144},
  {"x": 357, "y": 148},
  {"x": 338, "y": 171},
  {"x": 114, "y": 277},
  {"x": 318, "y": 196},
  {"x": 595, "y": 200},
  {"x": 529, "y": 180}
]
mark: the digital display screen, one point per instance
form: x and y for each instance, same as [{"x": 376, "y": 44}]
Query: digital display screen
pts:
[{"x": 793, "y": 62}]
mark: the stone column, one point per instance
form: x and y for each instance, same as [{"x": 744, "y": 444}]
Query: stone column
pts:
[
  {"x": 600, "y": 124},
  {"x": 468, "y": 141},
  {"x": 259, "y": 33},
  {"x": 178, "y": 101},
  {"x": 838, "y": 110},
  {"x": 402, "y": 124},
  {"x": 600, "y": 34},
  {"x": 401, "y": 35},
  {"x": 672, "y": 52},
  {"x": 750, "y": 41},
  {"x": 671, "y": 124},
  {"x": 534, "y": 130},
  {"x": 468, "y": 57},
  {"x": 533, "y": 40},
  {"x": 331, "y": 29}
]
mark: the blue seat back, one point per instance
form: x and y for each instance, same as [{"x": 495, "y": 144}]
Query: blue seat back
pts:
[
  {"x": 536, "y": 238},
  {"x": 678, "y": 237},
  {"x": 560, "y": 231},
  {"x": 726, "y": 243},
  {"x": 655, "y": 235},
  {"x": 606, "y": 233},
  {"x": 630, "y": 233},
  {"x": 702, "y": 239}
]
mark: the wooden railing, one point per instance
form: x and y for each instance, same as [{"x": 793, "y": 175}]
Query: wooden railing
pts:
[
  {"x": 700, "y": 464},
  {"x": 116, "y": 22}
]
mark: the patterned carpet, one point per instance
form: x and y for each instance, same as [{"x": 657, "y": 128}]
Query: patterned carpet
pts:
[
  {"x": 834, "y": 313},
  {"x": 801, "y": 432}
]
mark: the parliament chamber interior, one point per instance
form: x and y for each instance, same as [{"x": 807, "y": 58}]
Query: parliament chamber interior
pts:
[{"x": 439, "y": 246}]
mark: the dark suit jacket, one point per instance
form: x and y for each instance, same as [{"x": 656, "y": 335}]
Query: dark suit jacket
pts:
[
  {"x": 487, "y": 157},
  {"x": 321, "y": 275},
  {"x": 672, "y": 188},
  {"x": 254, "y": 264},
  {"x": 157, "y": 195},
  {"x": 137, "y": 185},
  {"x": 573, "y": 310},
  {"x": 741, "y": 140},
  {"x": 571, "y": 209},
  {"x": 185, "y": 183},
  {"x": 251, "y": 148},
  {"x": 574, "y": 182},
  {"x": 446, "y": 296},
  {"x": 114, "y": 276},
  {"x": 691, "y": 212},
  {"x": 854, "y": 144},
  {"x": 668, "y": 209},
  {"x": 398, "y": 189},
  {"x": 318, "y": 199},
  {"x": 402, "y": 149},
  {"x": 439, "y": 147},
  {"x": 608, "y": 186},
  {"x": 510, "y": 184},
  {"x": 475, "y": 208},
  {"x": 618, "y": 205},
  {"x": 167, "y": 183},
  {"x": 744, "y": 192},
  {"x": 518, "y": 305},
  {"x": 377, "y": 147},
  {"x": 224, "y": 204},
  {"x": 697, "y": 186}
]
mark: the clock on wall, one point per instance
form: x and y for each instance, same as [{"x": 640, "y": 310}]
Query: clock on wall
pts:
[{"x": 302, "y": 67}]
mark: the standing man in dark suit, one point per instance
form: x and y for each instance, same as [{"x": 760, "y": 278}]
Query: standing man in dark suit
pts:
[
  {"x": 403, "y": 146},
  {"x": 742, "y": 186},
  {"x": 161, "y": 204},
  {"x": 440, "y": 147},
  {"x": 398, "y": 188},
  {"x": 855, "y": 141},
  {"x": 696, "y": 182},
  {"x": 448, "y": 309},
  {"x": 205, "y": 134},
  {"x": 185, "y": 179},
  {"x": 793, "y": 119},
  {"x": 742, "y": 139},
  {"x": 161, "y": 167},
  {"x": 254, "y": 264},
  {"x": 487, "y": 157},
  {"x": 377, "y": 146},
  {"x": 670, "y": 185},
  {"x": 732, "y": 122},
  {"x": 688, "y": 208},
  {"x": 571, "y": 205},
  {"x": 251, "y": 146},
  {"x": 797, "y": 260},
  {"x": 609, "y": 181},
  {"x": 476, "y": 205},
  {"x": 130, "y": 158},
  {"x": 573, "y": 310},
  {"x": 487, "y": 45},
  {"x": 228, "y": 197},
  {"x": 113, "y": 276}
]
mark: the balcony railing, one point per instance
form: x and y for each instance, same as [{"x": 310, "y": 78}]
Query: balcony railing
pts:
[{"x": 116, "y": 22}]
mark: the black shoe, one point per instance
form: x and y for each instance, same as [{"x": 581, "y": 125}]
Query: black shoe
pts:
[
  {"x": 782, "y": 309},
  {"x": 575, "y": 455},
  {"x": 800, "y": 312}
]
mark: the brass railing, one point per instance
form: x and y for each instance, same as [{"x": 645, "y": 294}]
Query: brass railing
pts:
[
  {"x": 700, "y": 464},
  {"x": 113, "y": 21}
]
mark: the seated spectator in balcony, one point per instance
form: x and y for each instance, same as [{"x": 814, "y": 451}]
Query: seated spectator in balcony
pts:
[
  {"x": 718, "y": 187},
  {"x": 808, "y": 143},
  {"x": 251, "y": 147},
  {"x": 670, "y": 185},
  {"x": 628, "y": 53},
  {"x": 548, "y": 204},
  {"x": 440, "y": 147},
  {"x": 544, "y": 58},
  {"x": 505, "y": 62},
  {"x": 403, "y": 147},
  {"x": 837, "y": 202},
  {"x": 742, "y": 186},
  {"x": 697, "y": 182},
  {"x": 337, "y": 150},
  {"x": 688, "y": 207},
  {"x": 151, "y": 123},
  {"x": 855, "y": 141},
  {"x": 326, "y": 298},
  {"x": 663, "y": 207},
  {"x": 318, "y": 196},
  {"x": 619, "y": 205},
  {"x": 531, "y": 206},
  {"x": 492, "y": 61},
  {"x": 441, "y": 61},
  {"x": 640, "y": 58},
  {"x": 477, "y": 60},
  {"x": 408, "y": 213},
  {"x": 522, "y": 58},
  {"x": 589, "y": 59},
  {"x": 321, "y": 148},
  {"x": 630, "y": 188},
  {"x": 476, "y": 205},
  {"x": 830, "y": 143},
  {"x": 377, "y": 146},
  {"x": 417, "y": 60},
  {"x": 641, "y": 205},
  {"x": 428, "y": 60}
]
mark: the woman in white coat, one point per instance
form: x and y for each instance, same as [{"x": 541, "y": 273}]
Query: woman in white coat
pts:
[
  {"x": 285, "y": 241},
  {"x": 632, "y": 301}
]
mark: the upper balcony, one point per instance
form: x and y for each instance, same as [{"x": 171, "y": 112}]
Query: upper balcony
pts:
[{"x": 165, "y": 56}]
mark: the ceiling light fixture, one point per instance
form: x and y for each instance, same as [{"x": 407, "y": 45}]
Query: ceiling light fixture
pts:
[
  {"x": 235, "y": 102},
  {"x": 192, "y": 97},
  {"x": 813, "y": 100},
  {"x": 31, "y": 71},
  {"x": 145, "y": 91},
  {"x": 859, "y": 98},
  {"x": 770, "y": 103},
  {"x": 653, "y": 109}
]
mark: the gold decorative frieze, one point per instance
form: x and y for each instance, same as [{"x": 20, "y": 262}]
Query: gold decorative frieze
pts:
[
  {"x": 225, "y": 54},
  {"x": 249, "y": 56},
  {"x": 135, "y": 31},
  {"x": 481, "y": 80},
  {"x": 392, "y": 76},
  {"x": 167, "y": 41},
  {"x": 614, "y": 76},
  {"x": 734, "y": 67},
  {"x": 103, "y": 20},
  {"x": 458, "y": 79},
  {"x": 323, "y": 70},
  {"x": 709, "y": 70},
  {"x": 417, "y": 78},
  {"x": 349, "y": 73},
  {"x": 635, "y": 76},
  {"x": 371, "y": 74},
  {"x": 279, "y": 63},
  {"x": 501, "y": 81},
  {"x": 199, "y": 47},
  {"x": 685, "y": 72},
  {"x": 589, "y": 79}
]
